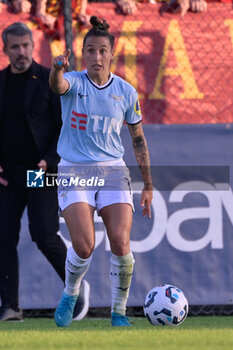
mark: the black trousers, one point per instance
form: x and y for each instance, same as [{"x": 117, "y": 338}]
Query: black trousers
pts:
[{"x": 43, "y": 219}]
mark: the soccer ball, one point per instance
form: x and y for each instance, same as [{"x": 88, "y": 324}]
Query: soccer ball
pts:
[{"x": 166, "y": 305}]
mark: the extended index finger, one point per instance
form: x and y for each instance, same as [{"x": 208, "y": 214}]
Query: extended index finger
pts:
[{"x": 67, "y": 54}]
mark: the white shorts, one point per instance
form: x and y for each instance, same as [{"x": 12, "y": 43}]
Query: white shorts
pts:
[{"x": 106, "y": 183}]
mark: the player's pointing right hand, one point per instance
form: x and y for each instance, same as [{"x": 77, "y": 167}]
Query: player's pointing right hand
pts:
[{"x": 62, "y": 61}]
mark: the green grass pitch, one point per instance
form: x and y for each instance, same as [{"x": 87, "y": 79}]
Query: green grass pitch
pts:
[{"x": 199, "y": 333}]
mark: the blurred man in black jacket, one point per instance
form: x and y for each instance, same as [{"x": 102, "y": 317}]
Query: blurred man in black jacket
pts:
[{"x": 30, "y": 122}]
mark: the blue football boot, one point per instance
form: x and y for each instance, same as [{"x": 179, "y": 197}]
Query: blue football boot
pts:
[
  {"x": 64, "y": 312},
  {"x": 120, "y": 320}
]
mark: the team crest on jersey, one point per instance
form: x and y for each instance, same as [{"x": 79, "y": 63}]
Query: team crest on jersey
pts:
[
  {"x": 137, "y": 108},
  {"x": 117, "y": 98}
]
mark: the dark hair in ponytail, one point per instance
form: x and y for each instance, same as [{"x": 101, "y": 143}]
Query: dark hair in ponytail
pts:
[{"x": 99, "y": 29}]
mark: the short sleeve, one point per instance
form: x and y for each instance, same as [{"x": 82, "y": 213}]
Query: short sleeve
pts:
[
  {"x": 133, "y": 114},
  {"x": 71, "y": 77}
]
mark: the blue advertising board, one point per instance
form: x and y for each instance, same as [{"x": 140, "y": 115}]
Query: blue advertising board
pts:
[{"x": 188, "y": 242}]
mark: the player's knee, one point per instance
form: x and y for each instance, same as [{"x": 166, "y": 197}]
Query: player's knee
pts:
[
  {"x": 120, "y": 245},
  {"x": 83, "y": 250}
]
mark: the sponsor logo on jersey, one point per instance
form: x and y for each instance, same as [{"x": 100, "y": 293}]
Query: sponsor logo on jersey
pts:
[
  {"x": 78, "y": 120},
  {"x": 97, "y": 123}
]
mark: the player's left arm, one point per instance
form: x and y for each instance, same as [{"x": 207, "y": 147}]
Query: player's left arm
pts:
[{"x": 142, "y": 155}]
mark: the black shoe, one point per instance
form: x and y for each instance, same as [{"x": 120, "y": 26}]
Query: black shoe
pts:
[
  {"x": 9, "y": 314},
  {"x": 82, "y": 304}
]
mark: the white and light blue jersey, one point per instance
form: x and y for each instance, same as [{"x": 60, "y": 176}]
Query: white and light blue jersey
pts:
[{"x": 93, "y": 116}]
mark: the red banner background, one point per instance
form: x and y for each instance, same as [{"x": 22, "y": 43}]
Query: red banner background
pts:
[{"x": 181, "y": 67}]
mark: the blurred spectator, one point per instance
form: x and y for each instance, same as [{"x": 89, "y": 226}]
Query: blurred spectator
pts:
[
  {"x": 42, "y": 14},
  {"x": 19, "y": 6},
  {"x": 193, "y": 6},
  {"x": 126, "y": 7},
  {"x": 129, "y": 7},
  {"x": 183, "y": 6},
  {"x": 49, "y": 10},
  {"x": 48, "y": 14},
  {"x": 1, "y": 5}
]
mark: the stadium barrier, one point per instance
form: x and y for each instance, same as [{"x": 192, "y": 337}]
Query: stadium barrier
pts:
[{"x": 188, "y": 240}]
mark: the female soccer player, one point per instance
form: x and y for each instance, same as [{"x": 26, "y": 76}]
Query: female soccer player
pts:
[{"x": 95, "y": 103}]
